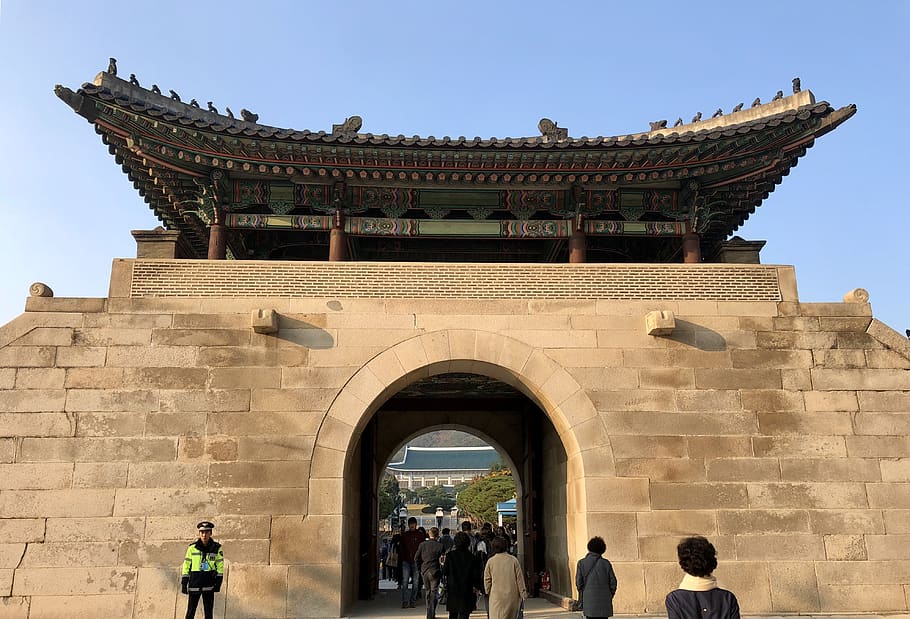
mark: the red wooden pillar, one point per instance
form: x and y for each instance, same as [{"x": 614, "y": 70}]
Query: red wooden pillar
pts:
[
  {"x": 578, "y": 244},
  {"x": 217, "y": 237},
  {"x": 691, "y": 248},
  {"x": 338, "y": 240}
]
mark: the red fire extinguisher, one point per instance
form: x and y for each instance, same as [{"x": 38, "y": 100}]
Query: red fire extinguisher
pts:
[{"x": 545, "y": 581}]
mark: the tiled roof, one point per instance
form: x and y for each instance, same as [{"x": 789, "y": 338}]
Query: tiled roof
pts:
[{"x": 446, "y": 459}]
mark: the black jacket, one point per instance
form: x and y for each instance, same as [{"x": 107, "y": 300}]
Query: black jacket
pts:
[
  {"x": 463, "y": 575},
  {"x": 711, "y": 604}
]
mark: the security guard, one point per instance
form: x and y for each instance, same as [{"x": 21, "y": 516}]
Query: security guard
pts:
[{"x": 203, "y": 571}]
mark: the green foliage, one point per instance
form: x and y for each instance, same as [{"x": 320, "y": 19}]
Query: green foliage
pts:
[
  {"x": 388, "y": 493},
  {"x": 478, "y": 501},
  {"x": 436, "y": 496}
]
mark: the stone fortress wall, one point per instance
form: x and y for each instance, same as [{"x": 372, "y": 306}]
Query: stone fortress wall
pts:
[{"x": 778, "y": 429}]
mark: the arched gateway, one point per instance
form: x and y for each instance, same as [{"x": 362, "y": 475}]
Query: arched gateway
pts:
[
  {"x": 515, "y": 363},
  {"x": 250, "y": 366}
]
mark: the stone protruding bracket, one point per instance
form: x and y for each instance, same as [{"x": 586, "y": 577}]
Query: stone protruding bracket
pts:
[
  {"x": 264, "y": 321},
  {"x": 660, "y": 322},
  {"x": 857, "y": 295},
  {"x": 40, "y": 289}
]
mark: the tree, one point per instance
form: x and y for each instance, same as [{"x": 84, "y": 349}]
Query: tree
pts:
[
  {"x": 436, "y": 496},
  {"x": 388, "y": 495},
  {"x": 478, "y": 501}
]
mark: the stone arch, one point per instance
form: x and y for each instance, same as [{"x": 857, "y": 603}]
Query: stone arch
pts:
[{"x": 528, "y": 369}]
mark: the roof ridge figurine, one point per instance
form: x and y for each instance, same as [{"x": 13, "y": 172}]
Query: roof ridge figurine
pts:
[
  {"x": 551, "y": 131},
  {"x": 112, "y": 66},
  {"x": 248, "y": 116},
  {"x": 349, "y": 128}
]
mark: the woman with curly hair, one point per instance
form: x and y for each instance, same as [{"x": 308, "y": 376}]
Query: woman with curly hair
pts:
[
  {"x": 698, "y": 596},
  {"x": 596, "y": 581}
]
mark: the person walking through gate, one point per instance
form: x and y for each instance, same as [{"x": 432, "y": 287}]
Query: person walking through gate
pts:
[
  {"x": 203, "y": 571},
  {"x": 596, "y": 581},
  {"x": 698, "y": 596},
  {"x": 427, "y": 560},
  {"x": 503, "y": 582},
  {"x": 463, "y": 576},
  {"x": 407, "y": 548}
]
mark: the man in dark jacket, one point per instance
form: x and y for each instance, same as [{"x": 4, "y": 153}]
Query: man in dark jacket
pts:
[
  {"x": 203, "y": 571},
  {"x": 427, "y": 560},
  {"x": 407, "y": 548}
]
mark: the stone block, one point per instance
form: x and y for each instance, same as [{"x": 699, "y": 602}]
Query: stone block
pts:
[
  {"x": 74, "y": 529},
  {"x": 634, "y": 400},
  {"x": 793, "y": 323},
  {"x": 22, "y": 530},
  {"x": 152, "y": 356},
  {"x": 717, "y": 423},
  {"x": 163, "y": 502},
  {"x": 265, "y": 423},
  {"x": 707, "y": 447},
  {"x": 886, "y": 359},
  {"x": 878, "y": 446},
  {"x": 743, "y": 469},
  {"x": 685, "y": 358},
  {"x": 806, "y": 446},
  {"x": 10, "y": 557},
  {"x": 660, "y": 322},
  {"x": 845, "y": 548},
  {"x": 709, "y": 400},
  {"x": 14, "y": 607},
  {"x": 175, "y": 424},
  {"x": 35, "y": 378},
  {"x": 241, "y": 356},
  {"x": 310, "y": 587},
  {"x": 27, "y": 356},
  {"x": 804, "y": 423},
  {"x": 87, "y": 606},
  {"x": 51, "y": 503},
  {"x": 152, "y": 553},
  {"x": 890, "y": 547},
  {"x": 762, "y": 521},
  {"x": 84, "y": 554},
  {"x": 74, "y": 581},
  {"x": 794, "y": 587},
  {"x": 94, "y": 400},
  {"x": 8, "y": 447},
  {"x": 731, "y": 378},
  {"x": 321, "y": 533},
  {"x": 112, "y": 336},
  {"x": 110, "y": 424},
  {"x": 772, "y": 400},
  {"x": 248, "y": 378},
  {"x": 208, "y": 400},
  {"x": 807, "y": 495},
  {"x": 770, "y": 359},
  {"x": 848, "y": 521},
  {"x": 698, "y": 496},
  {"x": 293, "y": 474},
  {"x": 212, "y": 448},
  {"x": 24, "y": 476},
  {"x": 660, "y": 579},
  {"x": 895, "y": 521},
  {"x": 155, "y": 592},
  {"x": 863, "y": 572},
  {"x": 46, "y": 336},
  {"x": 664, "y": 378},
  {"x": 249, "y": 527},
  {"x": 127, "y": 321},
  {"x": 167, "y": 378},
  {"x": 36, "y": 424},
  {"x": 662, "y": 469},
  {"x": 8, "y": 378},
  {"x": 32, "y": 400},
  {"x": 98, "y": 449},
  {"x": 79, "y": 356},
  {"x": 884, "y": 401},
  {"x": 616, "y": 494},
  {"x": 200, "y": 337},
  {"x": 648, "y": 446},
  {"x": 796, "y": 380},
  {"x": 839, "y": 359},
  {"x": 861, "y": 598},
  {"x": 625, "y": 339},
  {"x": 831, "y": 401},
  {"x": 100, "y": 474},
  {"x": 774, "y": 547},
  {"x": 749, "y": 580},
  {"x": 860, "y": 379},
  {"x": 95, "y": 378},
  {"x": 891, "y": 495},
  {"x": 830, "y": 469},
  {"x": 615, "y": 529},
  {"x": 680, "y": 523},
  {"x": 275, "y": 447},
  {"x": 168, "y": 475},
  {"x": 635, "y": 358},
  {"x": 593, "y": 378}
]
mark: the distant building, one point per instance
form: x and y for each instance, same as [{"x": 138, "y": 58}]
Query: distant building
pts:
[{"x": 423, "y": 467}]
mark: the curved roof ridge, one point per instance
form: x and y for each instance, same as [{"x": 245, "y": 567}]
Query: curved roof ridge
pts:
[{"x": 138, "y": 99}]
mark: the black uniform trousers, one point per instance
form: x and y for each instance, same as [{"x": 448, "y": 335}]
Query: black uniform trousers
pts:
[{"x": 208, "y": 604}]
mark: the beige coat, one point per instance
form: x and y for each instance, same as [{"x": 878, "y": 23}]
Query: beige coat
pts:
[{"x": 505, "y": 586}]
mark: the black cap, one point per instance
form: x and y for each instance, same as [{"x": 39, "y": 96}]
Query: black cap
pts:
[{"x": 205, "y": 525}]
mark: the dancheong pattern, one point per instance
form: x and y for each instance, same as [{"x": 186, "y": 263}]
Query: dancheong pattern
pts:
[
  {"x": 375, "y": 226},
  {"x": 544, "y": 228}
]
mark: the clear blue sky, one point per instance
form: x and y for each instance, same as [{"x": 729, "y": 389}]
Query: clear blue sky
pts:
[{"x": 462, "y": 68}]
